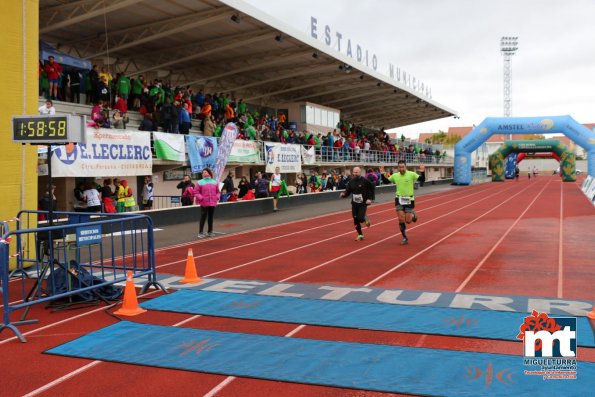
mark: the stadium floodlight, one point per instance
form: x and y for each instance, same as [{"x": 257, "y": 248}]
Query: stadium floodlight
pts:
[
  {"x": 279, "y": 38},
  {"x": 508, "y": 47},
  {"x": 236, "y": 18}
]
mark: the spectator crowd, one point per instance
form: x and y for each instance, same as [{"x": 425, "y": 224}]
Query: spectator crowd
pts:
[{"x": 179, "y": 109}]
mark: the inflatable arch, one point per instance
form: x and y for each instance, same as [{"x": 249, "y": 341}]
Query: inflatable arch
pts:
[
  {"x": 566, "y": 125},
  {"x": 523, "y": 156},
  {"x": 566, "y": 157}
]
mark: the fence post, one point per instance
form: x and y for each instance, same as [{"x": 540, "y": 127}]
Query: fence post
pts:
[{"x": 4, "y": 259}]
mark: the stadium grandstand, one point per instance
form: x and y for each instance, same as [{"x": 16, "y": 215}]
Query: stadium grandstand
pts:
[{"x": 281, "y": 85}]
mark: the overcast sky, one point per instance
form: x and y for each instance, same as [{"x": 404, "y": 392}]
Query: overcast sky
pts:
[{"x": 454, "y": 47}]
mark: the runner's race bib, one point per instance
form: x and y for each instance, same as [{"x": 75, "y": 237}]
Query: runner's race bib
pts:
[
  {"x": 358, "y": 198},
  {"x": 404, "y": 200}
]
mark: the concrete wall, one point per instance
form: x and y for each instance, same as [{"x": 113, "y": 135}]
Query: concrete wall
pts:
[{"x": 173, "y": 216}]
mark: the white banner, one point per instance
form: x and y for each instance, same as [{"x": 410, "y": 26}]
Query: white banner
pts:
[
  {"x": 286, "y": 157},
  {"x": 308, "y": 156},
  {"x": 105, "y": 153},
  {"x": 228, "y": 137},
  {"x": 591, "y": 191},
  {"x": 169, "y": 146},
  {"x": 587, "y": 183},
  {"x": 244, "y": 152}
]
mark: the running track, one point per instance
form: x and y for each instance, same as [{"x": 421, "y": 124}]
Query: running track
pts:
[{"x": 533, "y": 238}]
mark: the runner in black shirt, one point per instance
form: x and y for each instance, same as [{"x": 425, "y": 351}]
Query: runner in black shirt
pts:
[{"x": 362, "y": 194}]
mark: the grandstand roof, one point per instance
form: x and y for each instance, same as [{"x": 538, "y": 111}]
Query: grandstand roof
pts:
[{"x": 230, "y": 46}]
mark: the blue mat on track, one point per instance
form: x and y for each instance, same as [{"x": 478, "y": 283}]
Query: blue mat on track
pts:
[
  {"x": 342, "y": 364},
  {"x": 371, "y": 316}
]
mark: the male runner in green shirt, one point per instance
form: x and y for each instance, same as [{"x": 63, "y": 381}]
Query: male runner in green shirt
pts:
[{"x": 404, "y": 200}]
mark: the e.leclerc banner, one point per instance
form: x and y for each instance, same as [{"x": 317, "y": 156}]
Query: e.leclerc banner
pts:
[
  {"x": 105, "y": 153},
  {"x": 287, "y": 157}
]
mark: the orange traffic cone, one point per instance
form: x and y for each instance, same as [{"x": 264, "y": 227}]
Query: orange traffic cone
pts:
[
  {"x": 591, "y": 314},
  {"x": 190, "y": 276},
  {"x": 130, "y": 305}
]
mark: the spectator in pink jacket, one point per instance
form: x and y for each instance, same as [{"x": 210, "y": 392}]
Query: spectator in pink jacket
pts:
[{"x": 206, "y": 194}]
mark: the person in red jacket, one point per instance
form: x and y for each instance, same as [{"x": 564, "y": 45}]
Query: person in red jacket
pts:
[
  {"x": 233, "y": 196},
  {"x": 249, "y": 195},
  {"x": 53, "y": 70}
]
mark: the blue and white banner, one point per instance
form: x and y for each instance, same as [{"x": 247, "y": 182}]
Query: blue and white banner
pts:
[
  {"x": 88, "y": 235},
  {"x": 587, "y": 183},
  {"x": 202, "y": 152},
  {"x": 228, "y": 137},
  {"x": 287, "y": 157},
  {"x": 590, "y": 189},
  {"x": 510, "y": 169},
  {"x": 308, "y": 155},
  {"x": 106, "y": 153}
]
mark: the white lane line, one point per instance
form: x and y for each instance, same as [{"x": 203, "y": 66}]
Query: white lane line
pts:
[
  {"x": 442, "y": 239},
  {"x": 497, "y": 244},
  {"x": 229, "y": 379},
  {"x": 96, "y": 362},
  {"x": 300, "y": 247}
]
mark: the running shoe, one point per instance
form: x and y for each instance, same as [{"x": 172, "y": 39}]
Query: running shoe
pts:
[
  {"x": 414, "y": 219},
  {"x": 201, "y": 235},
  {"x": 367, "y": 222},
  {"x": 359, "y": 238},
  {"x": 404, "y": 241},
  {"x": 210, "y": 234}
]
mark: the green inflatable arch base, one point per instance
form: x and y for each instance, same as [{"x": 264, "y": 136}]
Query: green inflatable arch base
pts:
[{"x": 567, "y": 158}]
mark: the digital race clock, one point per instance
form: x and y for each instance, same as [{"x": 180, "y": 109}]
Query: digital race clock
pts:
[{"x": 52, "y": 129}]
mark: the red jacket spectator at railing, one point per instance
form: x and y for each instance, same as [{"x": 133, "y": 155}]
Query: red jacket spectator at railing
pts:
[
  {"x": 121, "y": 105},
  {"x": 233, "y": 196},
  {"x": 53, "y": 70},
  {"x": 205, "y": 111},
  {"x": 249, "y": 195},
  {"x": 229, "y": 113}
]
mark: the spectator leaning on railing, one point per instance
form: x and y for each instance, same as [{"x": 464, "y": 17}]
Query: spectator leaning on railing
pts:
[
  {"x": 47, "y": 108},
  {"x": 53, "y": 71}
]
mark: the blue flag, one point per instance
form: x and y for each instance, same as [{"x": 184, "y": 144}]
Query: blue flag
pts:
[{"x": 202, "y": 152}]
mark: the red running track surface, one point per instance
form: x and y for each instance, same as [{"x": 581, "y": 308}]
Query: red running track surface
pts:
[{"x": 533, "y": 238}]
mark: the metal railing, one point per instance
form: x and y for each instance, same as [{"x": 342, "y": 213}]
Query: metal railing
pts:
[
  {"x": 73, "y": 257},
  {"x": 325, "y": 154},
  {"x": 160, "y": 202},
  {"x": 479, "y": 176}
]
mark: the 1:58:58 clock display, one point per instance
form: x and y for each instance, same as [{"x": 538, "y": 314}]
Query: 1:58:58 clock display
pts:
[{"x": 41, "y": 128}]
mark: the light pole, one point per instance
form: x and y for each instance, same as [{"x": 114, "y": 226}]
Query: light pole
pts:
[{"x": 508, "y": 47}]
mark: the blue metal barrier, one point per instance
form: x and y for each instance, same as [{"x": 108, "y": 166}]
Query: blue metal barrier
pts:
[
  {"x": 4, "y": 229},
  {"x": 72, "y": 257}
]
